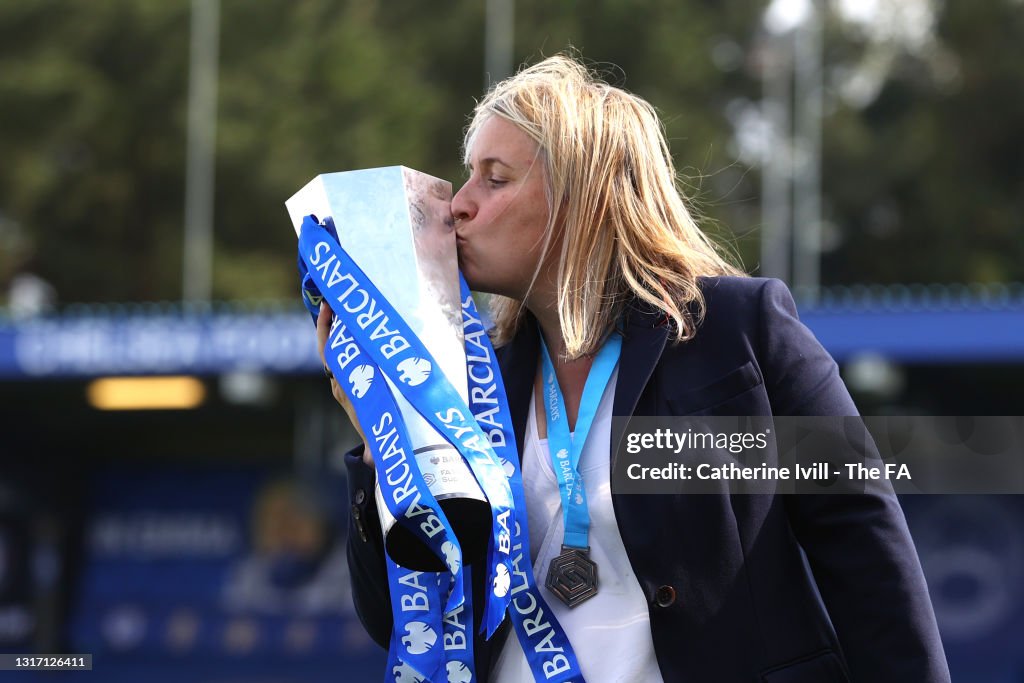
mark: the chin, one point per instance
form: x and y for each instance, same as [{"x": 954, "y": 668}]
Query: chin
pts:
[
  {"x": 476, "y": 284},
  {"x": 470, "y": 278},
  {"x": 478, "y": 281}
]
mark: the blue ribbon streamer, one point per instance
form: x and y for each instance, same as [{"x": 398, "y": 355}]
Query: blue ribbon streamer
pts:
[
  {"x": 381, "y": 335},
  {"x": 414, "y": 655},
  {"x": 544, "y": 641}
]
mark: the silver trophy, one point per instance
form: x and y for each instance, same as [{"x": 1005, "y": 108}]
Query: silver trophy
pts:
[{"x": 396, "y": 224}]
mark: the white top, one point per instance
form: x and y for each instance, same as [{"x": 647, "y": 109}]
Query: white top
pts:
[{"x": 611, "y": 632}]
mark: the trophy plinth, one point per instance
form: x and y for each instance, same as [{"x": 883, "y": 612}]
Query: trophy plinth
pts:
[{"x": 396, "y": 225}]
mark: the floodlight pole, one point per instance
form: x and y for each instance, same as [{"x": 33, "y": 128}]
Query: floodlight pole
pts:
[
  {"x": 776, "y": 166},
  {"x": 807, "y": 64},
  {"x": 197, "y": 266},
  {"x": 791, "y": 169},
  {"x": 499, "y": 40}
]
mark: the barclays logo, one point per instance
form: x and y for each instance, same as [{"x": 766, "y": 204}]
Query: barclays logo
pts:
[
  {"x": 452, "y": 556},
  {"x": 418, "y": 638},
  {"x": 502, "y": 580},
  {"x": 458, "y": 672},
  {"x": 360, "y": 379},
  {"x": 404, "y": 673},
  {"x": 508, "y": 467},
  {"x": 414, "y": 371}
]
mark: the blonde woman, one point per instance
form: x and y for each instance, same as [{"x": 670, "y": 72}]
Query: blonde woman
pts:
[{"x": 572, "y": 217}]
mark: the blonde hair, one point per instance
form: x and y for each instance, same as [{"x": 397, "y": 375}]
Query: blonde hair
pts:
[{"x": 612, "y": 191}]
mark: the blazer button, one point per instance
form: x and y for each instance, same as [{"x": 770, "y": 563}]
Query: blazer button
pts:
[
  {"x": 665, "y": 596},
  {"x": 360, "y": 496}
]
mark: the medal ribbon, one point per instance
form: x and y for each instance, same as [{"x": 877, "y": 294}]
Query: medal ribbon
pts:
[{"x": 565, "y": 447}]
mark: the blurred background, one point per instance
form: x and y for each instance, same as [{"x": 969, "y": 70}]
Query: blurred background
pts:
[{"x": 172, "y": 492}]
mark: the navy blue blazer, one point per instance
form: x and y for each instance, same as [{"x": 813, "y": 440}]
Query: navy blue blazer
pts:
[{"x": 772, "y": 589}]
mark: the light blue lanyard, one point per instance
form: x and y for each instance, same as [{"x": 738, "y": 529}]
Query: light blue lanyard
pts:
[{"x": 566, "y": 448}]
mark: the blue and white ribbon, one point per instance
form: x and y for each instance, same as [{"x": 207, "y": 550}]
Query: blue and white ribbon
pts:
[
  {"x": 367, "y": 332},
  {"x": 379, "y": 333},
  {"x": 544, "y": 641}
]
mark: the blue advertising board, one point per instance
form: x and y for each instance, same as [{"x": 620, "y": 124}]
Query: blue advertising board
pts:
[
  {"x": 209, "y": 574},
  {"x": 130, "y": 344},
  {"x": 155, "y": 339}
]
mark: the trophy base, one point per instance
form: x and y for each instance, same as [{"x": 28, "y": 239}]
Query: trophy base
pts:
[{"x": 471, "y": 521}]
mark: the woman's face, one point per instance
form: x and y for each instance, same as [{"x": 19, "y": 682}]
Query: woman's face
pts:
[{"x": 501, "y": 212}]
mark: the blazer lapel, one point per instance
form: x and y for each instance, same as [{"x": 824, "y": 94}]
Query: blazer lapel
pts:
[{"x": 643, "y": 340}]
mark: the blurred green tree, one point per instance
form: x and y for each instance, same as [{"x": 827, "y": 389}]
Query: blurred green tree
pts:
[
  {"x": 926, "y": 181},
  {"x": 923, "y": 177},
  {"x": 93, "y": 97}
]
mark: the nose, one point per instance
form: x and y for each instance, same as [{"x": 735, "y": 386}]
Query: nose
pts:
[{"x": 463, "y": 206}]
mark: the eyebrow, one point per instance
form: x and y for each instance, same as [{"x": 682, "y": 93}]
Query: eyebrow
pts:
[{"x": 490, "y": 161}]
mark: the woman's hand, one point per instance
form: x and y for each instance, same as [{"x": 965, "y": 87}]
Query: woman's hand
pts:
[{"x": 323, "y": 331}]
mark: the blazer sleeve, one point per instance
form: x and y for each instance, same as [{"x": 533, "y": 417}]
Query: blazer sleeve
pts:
[
  {"x": 365, "y": 550},
  {"x": 858, "y": 545}
]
